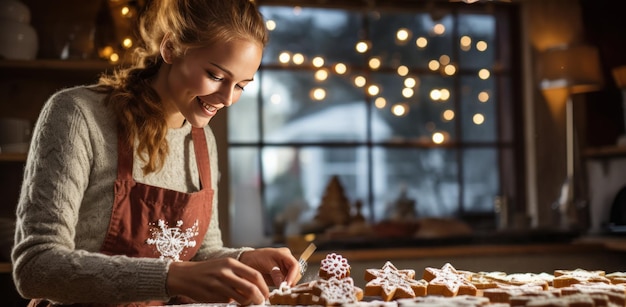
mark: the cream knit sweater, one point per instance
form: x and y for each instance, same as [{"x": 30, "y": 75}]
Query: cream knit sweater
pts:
[{"x": 66, "y": 200}]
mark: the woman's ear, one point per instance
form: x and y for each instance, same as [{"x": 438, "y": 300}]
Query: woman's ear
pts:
[{"x": 166, "y": 48}]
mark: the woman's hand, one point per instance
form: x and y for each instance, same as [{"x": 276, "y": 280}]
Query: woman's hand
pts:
[
  {"x": 217, "y": 281},
  {"x": 276, "y": 265}
]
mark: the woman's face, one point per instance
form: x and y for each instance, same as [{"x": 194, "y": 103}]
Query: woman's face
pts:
[{"x": 203, "y": 80}]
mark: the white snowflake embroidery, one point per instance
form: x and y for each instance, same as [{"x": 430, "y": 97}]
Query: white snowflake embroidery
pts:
[{"x": 170, "y": 241}]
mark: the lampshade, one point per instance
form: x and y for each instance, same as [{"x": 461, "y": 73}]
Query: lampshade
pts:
[{"x": 574, "y": 68}]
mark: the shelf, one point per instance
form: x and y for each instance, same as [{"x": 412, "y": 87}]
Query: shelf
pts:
[
  {"x": 56, "y": 65},
  {"x": 12, "y": 157},
  {"x": 5, "y": 267},
  {"x": 605, "y": 152}
]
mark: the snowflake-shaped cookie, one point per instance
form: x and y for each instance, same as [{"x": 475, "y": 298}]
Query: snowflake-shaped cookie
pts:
[
  {"x": 337, "y": 291},
  {"x": 447, "y": 281},
  {"x": 171, "y": 241},
  {"x": 334, "y": 265},
  {"x": 391, "y": 283}
]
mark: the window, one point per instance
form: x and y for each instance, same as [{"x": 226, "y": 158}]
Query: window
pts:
[{"x": 416, "y": 101}]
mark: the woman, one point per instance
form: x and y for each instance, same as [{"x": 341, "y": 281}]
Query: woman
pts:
[{"x": 119, "y": 190}]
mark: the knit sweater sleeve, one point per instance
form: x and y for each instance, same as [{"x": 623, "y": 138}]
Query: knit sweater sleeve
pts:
[{"x": 57, "y": 173}]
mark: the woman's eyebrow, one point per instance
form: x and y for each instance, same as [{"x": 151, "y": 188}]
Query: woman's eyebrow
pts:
[{"x": 228, "y": 72}]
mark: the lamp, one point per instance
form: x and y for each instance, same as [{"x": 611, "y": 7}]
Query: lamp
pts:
[{"x": 567, "y": 71}]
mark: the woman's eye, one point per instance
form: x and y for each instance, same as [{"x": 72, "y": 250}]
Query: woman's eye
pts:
[
  {"x": 239, "y": 87},
  {"x": 214, "y": 77}
]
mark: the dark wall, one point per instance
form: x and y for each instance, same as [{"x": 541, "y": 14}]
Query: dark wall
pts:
[{"x": 605, "y": 27}]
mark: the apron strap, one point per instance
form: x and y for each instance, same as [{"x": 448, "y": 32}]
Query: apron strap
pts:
[
  {"x": 124, "y": 157},
  {"x": 202, "y": 156}
]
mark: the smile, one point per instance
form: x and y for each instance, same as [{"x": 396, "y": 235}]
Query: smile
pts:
[{"x": 206, "y": 106}]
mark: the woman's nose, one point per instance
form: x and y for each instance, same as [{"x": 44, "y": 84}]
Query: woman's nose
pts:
[{"x": 227, "y": 96}]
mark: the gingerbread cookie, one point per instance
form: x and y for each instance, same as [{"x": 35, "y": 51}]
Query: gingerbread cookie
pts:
[
  {"x": 504, "y": 293},
  {"x": 617, "y": 277},
  {"x": 565, "y": 278},
  {"x": 337, "y": 291},
  {"x": 578, "y": 300},
  {"x": 334, "y": 265},
  {"x": 447, "y": 281},
  {"x": 301, "y": 294},
  {"x": 445, "y": 301},
  {"x": 391, "y": 283},
  {"x": 616, "y": 293}
]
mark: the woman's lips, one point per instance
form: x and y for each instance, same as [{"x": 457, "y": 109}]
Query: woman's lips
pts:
[{"x": 210, "y": 110}]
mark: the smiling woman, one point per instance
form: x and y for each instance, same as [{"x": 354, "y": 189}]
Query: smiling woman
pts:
[{"x": 126, "y": 173}]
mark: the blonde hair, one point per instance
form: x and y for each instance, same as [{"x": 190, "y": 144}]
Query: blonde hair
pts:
[{"x": 189, "y": 24}]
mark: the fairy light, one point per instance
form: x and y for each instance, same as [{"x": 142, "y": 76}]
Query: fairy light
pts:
[
  {"x": 407, "y": 92},
  {"x": 433, "y": 65},
  {"x": 341, "y": 68},
  {"x": 483, "y": 96},
  {"x": 270, "y": 25},
  {"x": 321, "y": 75},
  {"x": 481, "y": 46},
  {"x": 448, "y": 115},
  {"x": 410, "y": 82},
  {"x": 361, "y": 47},
  {"x": 127, "y": 43},
  {"x": 484, "y": 74},
  {"x": 478, "y": 119},
  {"x": 318, "y": 61},
  {"x": 284, "y": 57},
  {"x": 380, "y": 102},
  {"x": 374, "y": 63},
  {"x": 438, "y": 138},
  {"x": 421, "y": 42},
  {"x": 400, "y": 109},
  {"x": 373, "y": 90},
  {"x": 360, "y": 81},
  {"x": 318, "y": 94},
  {"x": 403, "y": 70},
  {"x": 298, "y": 58}
]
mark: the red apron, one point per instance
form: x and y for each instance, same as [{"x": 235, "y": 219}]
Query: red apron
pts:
[{"x": 149, "y": 221}]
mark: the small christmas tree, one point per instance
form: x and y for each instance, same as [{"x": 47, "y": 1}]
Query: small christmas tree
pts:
[{"x": 335, "y": 207}]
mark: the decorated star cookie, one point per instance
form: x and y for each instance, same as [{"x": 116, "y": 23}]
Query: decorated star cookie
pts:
[
  {"x": 447, "y": 281},
  {"x": 565, "y": 278},
  {"x": 391, "y": 283},
  {"x": 334, "y": 265}
]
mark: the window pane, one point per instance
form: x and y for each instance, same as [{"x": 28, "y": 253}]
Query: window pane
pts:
[
  {"x": 416, "y": 117},
  {"x": 246, "y": 208},
  {"x": 477, "y": 44},
  {"x": 296, "y": 178},
  {"x": 395, "y": 38},
  {"x": 480, "y": 179},
  {"x": 290, "y": 114},
  {"x": 243, "y": 116},
  {"x": 430, "y": 176},
  {"x": 478, "y": 106},
  {"x": 329, "y": 33}
]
